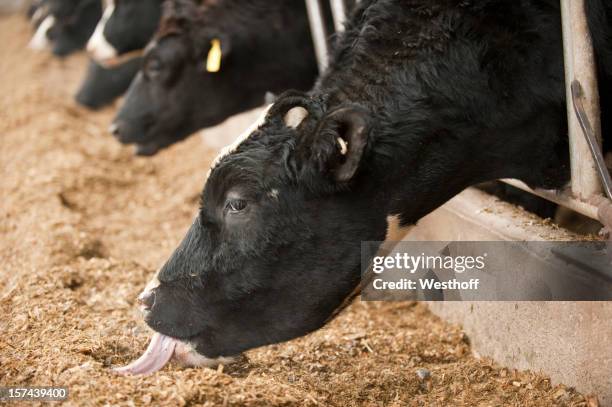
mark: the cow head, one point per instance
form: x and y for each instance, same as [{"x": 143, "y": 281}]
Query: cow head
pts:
[
  {"x": 275, "y": 248},
  {"x": 197, "y": 71},
  {"x": 126, "y": 26},
  {"x": 116, "y": 47},
  {"x": 65, "y": 26},
  {"x": 168, "y": 99}
]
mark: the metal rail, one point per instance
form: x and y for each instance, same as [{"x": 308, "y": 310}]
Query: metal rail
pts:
[
  {"x": 591, "y": 138},
  {"x": 317, "y": 30},
  {"x": 579, "y": 65},
  {"x": 339, "y": 14},
  {"x": 560, "y": 197}
]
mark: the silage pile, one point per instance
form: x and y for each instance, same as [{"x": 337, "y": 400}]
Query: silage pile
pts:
[{"x": 84, "y": 225}]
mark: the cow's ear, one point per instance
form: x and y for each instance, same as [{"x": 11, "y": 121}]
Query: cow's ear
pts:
[
  {"x": 219, "y": 49},
  {"x": 342, "y": 136}
]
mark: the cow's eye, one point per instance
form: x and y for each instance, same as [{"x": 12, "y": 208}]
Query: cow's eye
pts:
[
  {"x": 153, "y": 68},
  {"x": 235, "y": 205}
]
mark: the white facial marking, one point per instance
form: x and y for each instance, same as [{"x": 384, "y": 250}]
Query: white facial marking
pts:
[
  {"x": 40, "y": 41},
  {"x": 186, "y": 355},
  {"x": 154, "y": 283},
  {"x": 343, "y": 146},
  {"x": 295, "y": 116},
  {"x": 148, "y": 288},
  {"x": 273, "y": 193},
  {"x": 242, "y": 137},
  {"x": 98, "y": 46}
]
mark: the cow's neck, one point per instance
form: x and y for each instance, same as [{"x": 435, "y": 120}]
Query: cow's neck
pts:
[
  {"x": 418, "y": 169},
  {"x": 425, "y": 153},
  {"x": 418, "y": 161},
  {"x": 426, "y": 150}
]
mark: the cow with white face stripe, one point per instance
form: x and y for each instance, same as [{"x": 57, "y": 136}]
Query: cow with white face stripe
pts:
[
  {"x": 116, "y": 46},
  {"x": 212, "y": 60},
  {"x": 64, "y": 26},
  {"x": 421, "y": 100}
]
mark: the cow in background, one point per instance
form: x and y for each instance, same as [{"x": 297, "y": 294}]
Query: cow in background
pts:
[
  {"x": 64, "y": 26},
  {"x": 210, "y": 61},
  {"x": 116, "y": 46}
]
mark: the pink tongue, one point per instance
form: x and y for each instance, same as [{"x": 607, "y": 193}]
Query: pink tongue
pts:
[{"x": 158, "y": 353}]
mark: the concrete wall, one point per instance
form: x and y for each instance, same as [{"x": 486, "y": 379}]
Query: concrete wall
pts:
[{"x": 570, "y": 341}]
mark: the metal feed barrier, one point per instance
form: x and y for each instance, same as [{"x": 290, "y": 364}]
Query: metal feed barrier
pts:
[{"x": 590, "y": 191}]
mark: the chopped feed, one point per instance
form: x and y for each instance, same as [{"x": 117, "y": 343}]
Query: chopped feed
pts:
[{"x": 84, "y": 225}]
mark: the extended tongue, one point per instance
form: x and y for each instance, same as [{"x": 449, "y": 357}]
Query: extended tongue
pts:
[{"x": 158, "y": 353}]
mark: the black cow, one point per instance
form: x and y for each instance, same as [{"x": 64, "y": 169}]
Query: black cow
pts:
[
  {"x": 422, "y": 99},
  {"x": 64, "y": 25},
  {"x": 120, "y": 36},
  {"x": 261, "y": 46}
]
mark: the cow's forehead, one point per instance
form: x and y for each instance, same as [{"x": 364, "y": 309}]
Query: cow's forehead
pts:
[
  {"x": 258, "y": 153},
  {"x": 261, "y": 123},
  {"x": 248, "y": 132},
  {"x": 254, "y": 161},
  {"x": 166, "y": 48}
]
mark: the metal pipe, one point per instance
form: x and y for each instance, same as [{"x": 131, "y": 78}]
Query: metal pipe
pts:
[
  {"x": 339, "y": 14},
  {"x": 559, "y": 197},
  {"x": 317, "y": 30},
  {"x": 579, "y": 65},
  {"x": 594, "y": 145}
]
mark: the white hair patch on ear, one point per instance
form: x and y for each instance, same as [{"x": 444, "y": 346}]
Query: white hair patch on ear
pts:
[
  {"x": 343, "y": 145},
  {"x": 273, "y": 193},
  {"x": 295, "y": 116}
]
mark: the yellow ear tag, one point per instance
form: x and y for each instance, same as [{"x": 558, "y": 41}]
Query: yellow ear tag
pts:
[{"x": 213, "y": 62}]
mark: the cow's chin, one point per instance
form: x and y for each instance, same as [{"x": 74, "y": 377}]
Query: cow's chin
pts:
[
  {"x": 186, "y": 355},
  {"x": 149, "y": 148},
  {"x": 146, "y": 149},
  {"x": 142, "y": 148}
]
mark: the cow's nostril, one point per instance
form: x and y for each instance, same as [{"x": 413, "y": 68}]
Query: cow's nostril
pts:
[{"x": 146, "y": 299}]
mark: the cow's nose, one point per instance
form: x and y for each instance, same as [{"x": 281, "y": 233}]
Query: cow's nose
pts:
[
  {"x": 114, "y": 129},
  {"x": 146, "y": 299}
]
